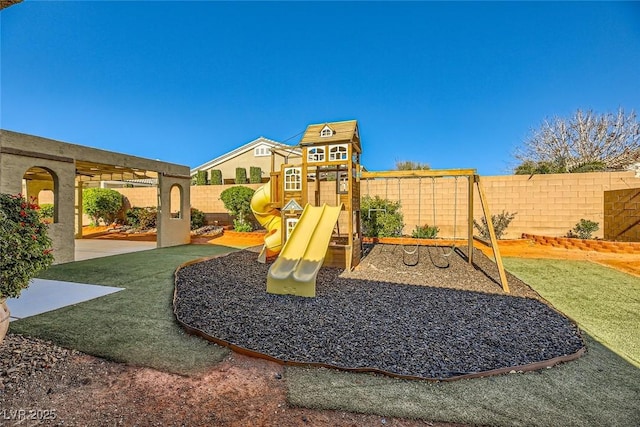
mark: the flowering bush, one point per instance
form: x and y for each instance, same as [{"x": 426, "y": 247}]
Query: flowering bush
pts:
[{"x": 25, "y": 247}]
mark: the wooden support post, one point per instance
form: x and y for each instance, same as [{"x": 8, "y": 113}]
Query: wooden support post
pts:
[
  {"x": 471, "y": 180},
  {"x": 492, "y": 234}
]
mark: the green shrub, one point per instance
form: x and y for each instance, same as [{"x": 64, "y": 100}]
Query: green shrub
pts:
[
  {"x": 142, "y": 218},
  {"x": 425, "y": 232},
  {"x": 101, "y": 204},
  {"x": 242, "y": 227},
  {"x": 237, "y": 200},
  {"x": 584, "y": 229},
  {"x": 25, "y": 247},
  {"x": 201, "y": 178},
  {"x": 255, "y": 175},
  {"x": 241, "y": 176},
  {"x": 197, "y": 219},
  {"x": 216, "y": 177},
  {"x": 381, "y": 217},
  {"x": 46, "y": 211},
  {"x": 500, "y": 223}
]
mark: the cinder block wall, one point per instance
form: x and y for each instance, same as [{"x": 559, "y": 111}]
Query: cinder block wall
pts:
[
  {"x": 203, "y": 197},
  {"x": 547, "y": 205},
  {"x": 142, "y": 197},
  {"x": 552, "y": 204},
  {"x": 622, "y": 215}
]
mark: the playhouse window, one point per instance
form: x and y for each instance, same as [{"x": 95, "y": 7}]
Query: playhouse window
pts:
[
  {"x": 316, "y": 154},
  {"x": 293, "y": 179},
  {"x": 261, "y": 151},
  {"x": 338, "y": 152},
  {"x": 291, "y": 223},
  {"x": 326, "y": 132},
  {"x": 342, "y": 183}
]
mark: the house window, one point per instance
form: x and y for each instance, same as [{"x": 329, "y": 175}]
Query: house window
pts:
[
  {"x": 293, "y": 179},
  {"x": 326, "y": 132},
  {"x": 338, "y": 152},
  {"x": 316, "y": 154},
  {"x": 262, "y": 151},
  {"x": 291, "y": 223}
]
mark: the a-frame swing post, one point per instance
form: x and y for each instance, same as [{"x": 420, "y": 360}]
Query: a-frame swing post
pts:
[
  {"x": 492, "y": 234},
  {"x": 470, "y": 180}
]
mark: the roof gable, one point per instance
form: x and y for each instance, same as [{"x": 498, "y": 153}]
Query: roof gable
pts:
[
  {"x": 250, "y": 146},
  {"x": 346, "y": 131}
]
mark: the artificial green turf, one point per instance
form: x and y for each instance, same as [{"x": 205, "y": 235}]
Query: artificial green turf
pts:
[
  {"x": 603, "y": 301},
  {"x": 600, "y": 388},
  {"x": 136, "y": 325}
]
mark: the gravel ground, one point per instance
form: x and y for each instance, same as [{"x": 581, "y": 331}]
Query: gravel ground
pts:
[
  {"x": 22, "y": 357},
  {"x": 375, "y": 317}
]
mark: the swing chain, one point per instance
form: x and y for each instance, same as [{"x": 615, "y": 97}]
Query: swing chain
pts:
[{"x": 455, "y": 218}]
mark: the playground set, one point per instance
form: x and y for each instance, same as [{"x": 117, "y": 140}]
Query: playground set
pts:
[{"x": 311, "y": 208}]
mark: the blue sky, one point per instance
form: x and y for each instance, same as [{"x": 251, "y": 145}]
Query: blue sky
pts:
[{"x": 453, "y": 84}]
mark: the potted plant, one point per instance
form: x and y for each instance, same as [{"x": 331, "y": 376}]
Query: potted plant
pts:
[{"x": 25, "y": 250}]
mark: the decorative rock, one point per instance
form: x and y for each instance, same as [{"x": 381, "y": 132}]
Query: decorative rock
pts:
[{"x": 379, "y": 318}]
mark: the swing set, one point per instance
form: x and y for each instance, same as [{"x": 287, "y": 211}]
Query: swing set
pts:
[{"x": 473, "y": 181}]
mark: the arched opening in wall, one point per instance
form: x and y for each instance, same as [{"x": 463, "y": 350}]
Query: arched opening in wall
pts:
[
  {"x": 175, "y": 202},
  {"x": 41, "y": 185},
  {"x": 46, "y": 200}
]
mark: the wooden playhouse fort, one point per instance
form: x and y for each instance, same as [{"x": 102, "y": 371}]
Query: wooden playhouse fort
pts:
[{"x": 311, "y": 207}]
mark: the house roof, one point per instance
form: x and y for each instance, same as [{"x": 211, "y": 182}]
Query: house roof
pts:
[
  {"x": 346, "y": 131},
  {"x": 261, "y": 141}
]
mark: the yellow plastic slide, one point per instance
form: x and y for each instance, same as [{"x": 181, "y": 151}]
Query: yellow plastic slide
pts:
[
  {"x": 295, "y": 270},
  {"x": 269, "y": 218}
]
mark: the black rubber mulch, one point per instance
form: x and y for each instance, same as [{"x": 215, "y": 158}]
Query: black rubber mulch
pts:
[{"x": 373, "y": 318}]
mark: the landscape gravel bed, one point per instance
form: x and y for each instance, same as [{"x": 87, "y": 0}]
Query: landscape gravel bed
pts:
[{"x": 440, "y": 318}]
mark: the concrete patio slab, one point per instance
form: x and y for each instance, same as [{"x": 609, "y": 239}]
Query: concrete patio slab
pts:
[
  {"x": 47, "y": 295},
  {"x": 98, "y": 248}
]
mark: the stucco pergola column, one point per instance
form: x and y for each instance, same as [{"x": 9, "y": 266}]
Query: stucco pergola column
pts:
[
  {"x": 78, "y": 210},
  {"x": 173, "y": 231}
]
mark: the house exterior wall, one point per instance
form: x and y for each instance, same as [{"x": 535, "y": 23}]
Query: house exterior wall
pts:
[{"x": 245, "y": 160}]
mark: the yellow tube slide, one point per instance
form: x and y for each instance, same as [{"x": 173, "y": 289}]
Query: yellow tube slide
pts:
[{"x": 270, "y": 219}]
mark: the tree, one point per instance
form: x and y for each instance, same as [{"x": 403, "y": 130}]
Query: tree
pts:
[
  {"x": 237, "y": 200},
  {"x": 381, "y": 217},
  {"x": 585, "y": 142},
  {"x": 410, "y": 165},
  {"x": 201, "y": 178},
  {"x": 101, "y": 203}
]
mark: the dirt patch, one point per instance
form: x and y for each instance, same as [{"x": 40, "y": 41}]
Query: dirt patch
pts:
[
  {"x": 627, "y": 263},
  {"x": 227, "y": 238},
  {"x": 74, "y": 389}
]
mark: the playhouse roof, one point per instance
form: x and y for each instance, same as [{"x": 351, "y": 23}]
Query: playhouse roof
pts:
[{"x": 342, "y": 132}]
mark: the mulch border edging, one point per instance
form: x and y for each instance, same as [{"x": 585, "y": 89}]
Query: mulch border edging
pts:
[
  {"x": 586, "y": 244},
  {"x": 535, "y": 366}
]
